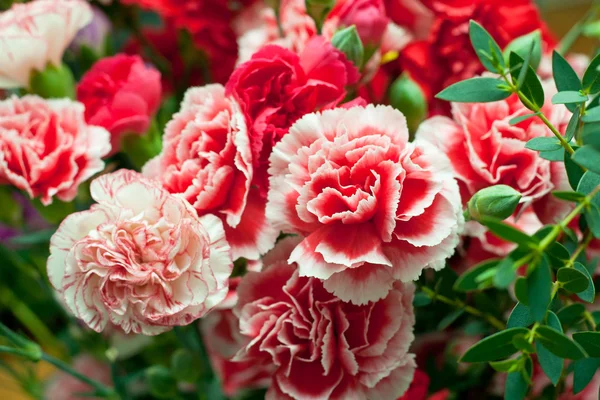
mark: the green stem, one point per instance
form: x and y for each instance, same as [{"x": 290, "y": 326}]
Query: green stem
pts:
[
  {"x": 582, "y": 246},
  {"x": 100, "y": 388},
  {"x": 495, "y": 322},
  {"x": 23, "y": 313},
  {"x": 573, "y": 34}
]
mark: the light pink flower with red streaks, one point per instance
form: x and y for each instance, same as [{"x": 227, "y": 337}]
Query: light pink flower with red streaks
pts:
[
  {"x": 318, "y": 346},
  {"x": 371, "y": 206},
  {"x": 140, "y": 258},
  {"x": 47, "y": 149},
  {"x": 206, "y": 158},
  {"x": 66, "y": 387},
  {"x": 485, "y": 149},
  {"x": 35, "y": 34}
]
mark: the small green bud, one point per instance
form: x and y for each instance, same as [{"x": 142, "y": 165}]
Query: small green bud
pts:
[
  {"x": 318, "y": 10},
  {"x": 498, "y": 201},
  {"x": 185, "y": 366},
  {"x": 348, "y": 42},
  {"x": 407, "y": 96},
  {"x": 53, "y": 82},
  {"x": 161, "y": 382}
]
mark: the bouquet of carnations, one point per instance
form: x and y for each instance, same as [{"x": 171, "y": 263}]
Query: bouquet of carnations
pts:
[{"x": 297, "y": 199}]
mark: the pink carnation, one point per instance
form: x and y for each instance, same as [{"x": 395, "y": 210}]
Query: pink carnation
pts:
[
  {"x": 140, "y": 258},
  {"x": 319, "y": 347},
  {"x": 46, "y": 148},
  {"x": 372, "y": 206},
  {"x": 485, "y": 149},
  {"x": 35, "y": 34},
  {"x": 206, "y": 158}
]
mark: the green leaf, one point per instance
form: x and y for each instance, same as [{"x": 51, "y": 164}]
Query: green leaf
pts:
[
  {"x": 467, "y": 282},
  {"x": 532, "y": 87},
  {"x": 564, "y": 76},
  {"x": 506, "y": 365},
  {"x": 588, "y": 294},
  {"x": 590, "y": 341},
  {"x": 555, "y": 155},
  {"x": 521, "y": 118},
  {"x": 517, "y": 383},
  {"x": 554, "y": 322},
  {"x": 558, "y": 251},
  {"x": 521, "y": 291},
  {"x": 591, "y": 77},
  {"x": 450, "y": 319},
  {"x": 494, "y": 347},
  {"x": 523, "y": 46},
  {"x": 574, "y": 171},
  {"x": 583, "y": 372},
  {"x": 571, "y": 314},
  {"x": 572, "y": 280},
  {"x": 486, "y": 48},
  {"x": 568, "y": 97},
  {"x": 591, "y": 134},
  {"x": 587, "y": 157},
  {"x": 573, "y": 125},
  {"x": 161, "y": 382},
  {"x": 569, "y": 196},
  {"x": 592, "y": 217},
  {"x": 475, "y": 90},
  {"x": 522, "y": 344},
  {"x": 588, "y": 182},
  {"x": 551, "y": 364},
  {"x": 520, "y": 317},
  {"x": 539, "y": 286},
  {"x": 558, "y": 344},
  {"x": 505, "y": 274},
  {"x": 508, "y": 232},
  {"x": 421, "y": 300},
  {"x": 592, "y": 115},
  {"x": 543, "y": 144}
]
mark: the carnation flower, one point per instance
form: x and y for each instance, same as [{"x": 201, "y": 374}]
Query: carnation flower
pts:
[
  {"x": 46, "y": 148},
  {"x": 276, "y": 87},
  {"x": 35, "y": 34},
  {"x": 66, "y": 387},
  {"x": 141, "y": 258},
  {"x": 318, "y": 346},
  {"x": 368, "y": 16},
  {"x": 121, "y": 94},
  {"x": 372, "y": 206},
  {"x": 485, "y": 149},
  {"x": 206, "y": 158},
  {"x": 446, "y": 55}
]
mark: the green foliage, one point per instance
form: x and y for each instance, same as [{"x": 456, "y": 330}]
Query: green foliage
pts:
[
  {"x": 559, "y": 344},
  {"x": 495, "y": 347},
  {"x": 569, "y": 97},
  {"x": 539, "y": 286},
  {"x": 591, "y": 77},
  {"x": 528, "y": 82},
  {"x": 475, "y": 90},
  {"x": 486, "y": 48}
]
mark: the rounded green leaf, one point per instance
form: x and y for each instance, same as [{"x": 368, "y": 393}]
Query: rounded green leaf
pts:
[
  {"x": 558, "y": 344},
  {"x": 520, "y": 317},
  {"x": 589, "y": 294},
  {"x": 572, "y": 280},
  {"x": 495, "y": 347},
  {"x": 590, "y": 341}
]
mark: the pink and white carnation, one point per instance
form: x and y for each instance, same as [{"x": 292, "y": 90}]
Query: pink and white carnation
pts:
[
  {"x": 140, "y": 258},
  {"x": 46, "y": 147},
  {"x": 316, "y": 345},
  {"x": 37, "y": 33},
  {"x": 485, "y": 150},
  {"x": 66, "y": 387},
  {"x": 371, "y": 206},
  {"x": 206, "y": 158}
]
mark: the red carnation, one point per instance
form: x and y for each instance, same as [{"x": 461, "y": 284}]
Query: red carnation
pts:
[
  {"x": 121, "y": 94},
  {"x": 446, "y": 56},
  {"x": 277, "y": 87}
]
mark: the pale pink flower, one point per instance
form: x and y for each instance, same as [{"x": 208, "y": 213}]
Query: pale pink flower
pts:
[
  {"x": 319, "y": 347},
  {"x": 371, "y": 206},
  {"x": 35, "y": 34},
  {"x": 140, "y": 259},
  {"x": 46, "y": 148},
  {"x": 207, "y": 159},
  {"x": 66, "y": 387}
]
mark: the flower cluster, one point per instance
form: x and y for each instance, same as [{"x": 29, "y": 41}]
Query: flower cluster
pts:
[{"x": 273, "y": 186}]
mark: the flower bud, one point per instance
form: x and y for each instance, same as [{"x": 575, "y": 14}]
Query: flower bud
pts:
[
  {"x": 347, "y": 41},
  {"x": 53, "y": 82},
  {"x": 498, "y": 201},
  {"x": 161, "y": 382},
  {"x": 407, "y": 97}
]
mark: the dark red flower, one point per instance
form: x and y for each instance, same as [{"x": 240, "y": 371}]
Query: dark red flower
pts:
[{"x": 446, "y": 55}]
